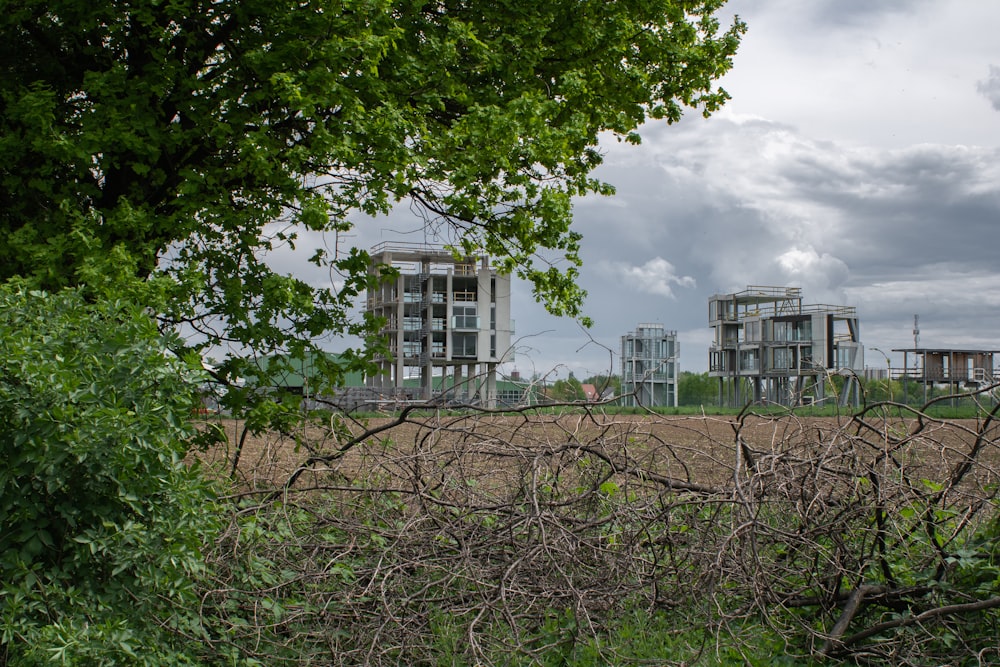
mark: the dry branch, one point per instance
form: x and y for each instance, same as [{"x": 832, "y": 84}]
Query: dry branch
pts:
[{"x": 497, "y": 528}]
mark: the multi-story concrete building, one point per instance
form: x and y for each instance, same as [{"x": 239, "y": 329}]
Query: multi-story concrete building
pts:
[
  {"x": 442, "y": 317},
  {"x": 770, "y": 348},
  {"x": 650, "y": 366}
]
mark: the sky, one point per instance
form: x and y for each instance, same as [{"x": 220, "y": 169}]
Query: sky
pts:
[{"x": 858, "y": 159}]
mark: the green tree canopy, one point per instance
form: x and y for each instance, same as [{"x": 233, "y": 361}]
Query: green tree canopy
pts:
[
  {"x": 569, "y": 389},
  {"x": 697, "y": 389},
  {"x": 101, "y": 520},
  {"x": 184, "y": 139}
]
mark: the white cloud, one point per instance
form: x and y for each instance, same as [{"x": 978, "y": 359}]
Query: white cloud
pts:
[
  {"x": 990, "y": 87},
  {"x": 654, "y": 277},
  {"x": 886, "y": 73},
  {"x": 818, "y": 274}
]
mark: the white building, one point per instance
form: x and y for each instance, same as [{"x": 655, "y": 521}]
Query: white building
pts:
[
  {"x": 446, "y": 323},
  {"x": 650, "y": 367}
]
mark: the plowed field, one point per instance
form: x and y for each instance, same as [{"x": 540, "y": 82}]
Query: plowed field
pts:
[{"x": 699, "y": 450}]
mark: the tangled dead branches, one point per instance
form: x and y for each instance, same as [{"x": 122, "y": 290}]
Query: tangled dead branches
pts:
[{"x": 540, "y": 536}]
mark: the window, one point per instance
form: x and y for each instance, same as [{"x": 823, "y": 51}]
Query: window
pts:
[
  {"x": 464, "y": 317},
  {"x": 803, "y": 330},
  {"x": 716, "y": 361},
  {"x": 464, "y": 344},
  {"x": 846, "y": 356}
]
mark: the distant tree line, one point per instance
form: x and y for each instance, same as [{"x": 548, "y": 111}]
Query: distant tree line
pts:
[
  {"x": 571, "y": 389},
  {"x": 693, "y": 388},
  {"x": 699, "y": 389}
]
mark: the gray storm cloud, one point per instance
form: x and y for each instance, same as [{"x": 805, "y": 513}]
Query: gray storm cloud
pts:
[{"x": 858, "y": 159}]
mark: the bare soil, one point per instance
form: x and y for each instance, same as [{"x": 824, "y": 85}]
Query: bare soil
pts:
[{"x": 702, "y": 450}]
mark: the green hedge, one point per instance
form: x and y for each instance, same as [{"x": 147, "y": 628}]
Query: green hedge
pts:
[{"x": 102, "y": 521}]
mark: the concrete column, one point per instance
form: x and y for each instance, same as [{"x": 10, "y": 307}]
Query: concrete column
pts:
[
  {"x": 491, "y": 386},
  {"x": 457, "y": 380}
]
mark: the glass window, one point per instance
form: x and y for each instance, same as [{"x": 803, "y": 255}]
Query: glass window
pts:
[
  {"x": 464, "y": 316},
  {"x": 803, "y": 330},
  {"x": 465, "y": 345}
]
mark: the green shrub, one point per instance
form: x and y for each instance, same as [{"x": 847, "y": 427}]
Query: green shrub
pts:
[{"x": 102, "y": 521}]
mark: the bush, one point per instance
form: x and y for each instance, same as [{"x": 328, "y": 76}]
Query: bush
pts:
[{"x": 102, "y": 521}]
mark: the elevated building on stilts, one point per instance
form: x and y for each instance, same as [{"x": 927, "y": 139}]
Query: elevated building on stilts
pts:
[
  {"x": 445, "y": 321},
  {"x": 769, "y": 347}
]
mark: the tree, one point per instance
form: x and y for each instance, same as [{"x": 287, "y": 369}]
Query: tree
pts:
[
  {"x": 697, "y": 389},
  {"x": 180, "y": 141},
  {"x": 102, "y": 520},
  {"x": 569, "y": 389}
]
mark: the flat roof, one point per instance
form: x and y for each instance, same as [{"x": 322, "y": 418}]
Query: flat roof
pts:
[
  {"x": 755, "y": 294},
  {"x": 942, "y": 350},
  {"x": 401, "y": 251}
]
